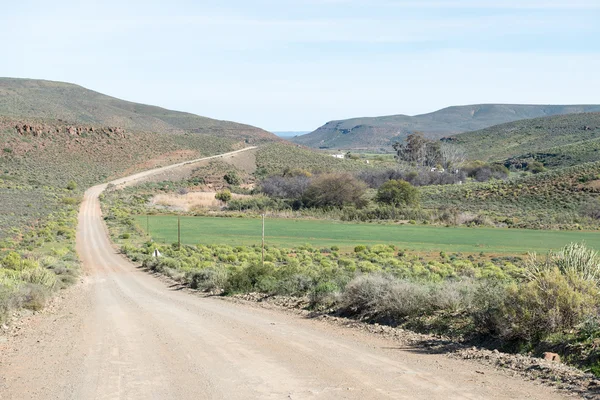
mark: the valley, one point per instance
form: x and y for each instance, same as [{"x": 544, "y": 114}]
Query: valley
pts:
[{"x": 128, "y": 227}]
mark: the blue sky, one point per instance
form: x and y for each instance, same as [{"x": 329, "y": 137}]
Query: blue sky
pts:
[{"x": 296, "y": 64}]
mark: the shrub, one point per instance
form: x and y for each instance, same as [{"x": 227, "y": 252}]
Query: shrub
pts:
[
  {"x": 335, "y": 190},
  {"x": 574, "y": 260},
  {"x": 591, "y": 209},
  {"x": 208, "y": 279},
  {"x": 256, "y": 203},
  {"x": 397, "y": 193},
  {"x": 223, "y": 195},
  {"x": 39, "y": 276},
  {"x": 535, "y": 167},
  {"x": 360, "y": 248},
  {"x": 33, "y": 296},
  {"x": 233, "y": 178},
  {"x": 72, "y": 185},
  {"x": 551, "y": 303},
  {"x": 382, "y": 297},
  {"x": 285, "y": 187},
  {"x": 71, "y": 201},
  {"x": 247, "y": 278}
]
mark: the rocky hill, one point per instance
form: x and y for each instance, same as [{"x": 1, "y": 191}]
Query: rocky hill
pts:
[
  {"x": 26, "y": 100},
  {"x": 379, "y": 133}
]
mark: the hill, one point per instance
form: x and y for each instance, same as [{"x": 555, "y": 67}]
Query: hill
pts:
[
  {"x": 557, "y": 199},
  {"x": 379, "y": 133},
  {"x": 26, "y": 99},
  {"x": 557, "y": 141}
]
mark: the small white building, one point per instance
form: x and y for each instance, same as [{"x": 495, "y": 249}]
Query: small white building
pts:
[{"x": 338, "y": 156}]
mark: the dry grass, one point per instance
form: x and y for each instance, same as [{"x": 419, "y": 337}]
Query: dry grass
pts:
[{"x": 189, "y": 201}]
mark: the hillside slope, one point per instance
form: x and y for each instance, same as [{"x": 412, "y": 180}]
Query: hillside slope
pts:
[
  {"x": 557, "y": 141},
  {"x": 380, "y": 132},
  {"x": 557, "y": 199},
  {"x": 48, "y": 100}
]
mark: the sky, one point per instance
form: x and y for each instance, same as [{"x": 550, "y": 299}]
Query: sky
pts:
[{"x": 293, "y": 65}]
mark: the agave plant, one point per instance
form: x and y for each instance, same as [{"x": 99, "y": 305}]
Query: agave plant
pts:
[{"x": 575, "y": 260}]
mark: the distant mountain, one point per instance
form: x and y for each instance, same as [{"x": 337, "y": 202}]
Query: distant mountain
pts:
[
  {"x": 557, "y": 141},
  {"x": 380, "y": 132},
  {"x": 290, "y": 134},
  {"x": 47, "y": 100}
]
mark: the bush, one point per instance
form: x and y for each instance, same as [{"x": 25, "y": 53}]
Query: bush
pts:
[
  {"x": 72, "y": 185},
  {"x": 535, "y": 167},
  {"x": 208, "y": 279},
  {"x": 552, "y": 303},
  {"x": 285, "y": 187},
  {"x": 397, "y": 193},
  {"x": 256, "y": 203},
  {"x": 335, "y": 190},
  {"x": 233, "y": 178},
  {"x": 382, "y": 297},
  {"x": 575, "y": 261},
  {"x": 223, "y": 195}
]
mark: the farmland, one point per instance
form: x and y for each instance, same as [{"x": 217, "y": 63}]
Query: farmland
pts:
[{"x": 292, "y": 233}]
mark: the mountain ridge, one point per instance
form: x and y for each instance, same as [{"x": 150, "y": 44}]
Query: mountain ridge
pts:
[
  {"x": 24, "y": 99},
  {"x": 380, "y": 132}
]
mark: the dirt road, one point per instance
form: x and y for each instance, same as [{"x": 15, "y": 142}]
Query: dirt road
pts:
[{"x": 124, "y": 334}]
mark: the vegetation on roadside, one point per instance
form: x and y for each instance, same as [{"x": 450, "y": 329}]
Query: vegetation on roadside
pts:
[
  {"x": 531, "y": 304},
  {"x": 38, "y": 262}
]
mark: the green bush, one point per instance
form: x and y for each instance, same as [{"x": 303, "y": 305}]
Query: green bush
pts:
[
  {"x": 223, "y": 195},
  {"x": 535, "y": 167},
  {"x": 72, "y": 185},
  {"x": 233, "y": 178},
  {"x": 397, "y": 193},
  {"x": 207, "y": 279},
  {"x": 551, "y": 303}
]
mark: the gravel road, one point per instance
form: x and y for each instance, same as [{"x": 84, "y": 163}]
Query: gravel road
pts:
[{"x": 123, "y": 334}]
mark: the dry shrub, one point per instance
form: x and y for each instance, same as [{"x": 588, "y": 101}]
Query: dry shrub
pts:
[
  {"x": 551, "y": 303},
  {"x": 382, "y": 296}
]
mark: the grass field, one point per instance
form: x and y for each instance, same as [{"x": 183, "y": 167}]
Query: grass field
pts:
[{"x": 294, "y": 233}]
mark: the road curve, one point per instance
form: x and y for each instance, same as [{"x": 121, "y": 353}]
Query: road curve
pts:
[{"x": 124, "y": 334}]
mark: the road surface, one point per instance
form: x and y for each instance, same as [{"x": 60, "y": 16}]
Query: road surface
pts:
[{"x": 123, "y": 334}]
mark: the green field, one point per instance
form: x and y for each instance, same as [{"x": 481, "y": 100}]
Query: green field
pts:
[{"x": 294, "y": 233}]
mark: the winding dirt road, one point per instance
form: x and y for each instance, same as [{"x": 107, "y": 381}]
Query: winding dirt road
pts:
[{"x": 123, "y": 334}]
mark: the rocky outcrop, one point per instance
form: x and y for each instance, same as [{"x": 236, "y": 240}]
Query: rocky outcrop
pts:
[{"x": 45, "y": 129}]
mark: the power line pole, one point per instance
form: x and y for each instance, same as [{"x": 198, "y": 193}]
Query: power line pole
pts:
[
  {"x": 178, "y": 232},
  {"x": 263, "y": 240},
  {"x": 148, "y": 224}
]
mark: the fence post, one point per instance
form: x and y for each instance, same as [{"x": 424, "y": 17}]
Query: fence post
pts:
[{"x": 263, "y": 240}]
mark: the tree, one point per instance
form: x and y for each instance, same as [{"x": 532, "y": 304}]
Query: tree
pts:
[
  {"x": 422, "y": 152},
  {"x": 413, "y": 150},
  {"x": 419, "y": 151},
  {"x": 223, "y": 195},
  {"x": 453, "y": 156},
  {"x": 398, "y": 193},
  {"x": 335, "y": 190}
]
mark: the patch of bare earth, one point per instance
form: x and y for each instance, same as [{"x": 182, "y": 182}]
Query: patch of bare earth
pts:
[{"x": 190, "y": 201}]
